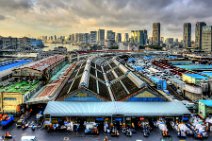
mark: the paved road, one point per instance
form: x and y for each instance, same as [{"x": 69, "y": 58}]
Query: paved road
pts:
[{"x": 43, "y": 135}]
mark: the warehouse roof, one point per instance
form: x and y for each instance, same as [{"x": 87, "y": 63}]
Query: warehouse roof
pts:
[
  {"x": 197, "y": 76},
  {"x": 195, "y": 66},
  {"x": 60, "y": 109},
  {"x": 207, "y": 102},
  {"x": 208, "y": 73},
  {"x": 13, "y": 64}
]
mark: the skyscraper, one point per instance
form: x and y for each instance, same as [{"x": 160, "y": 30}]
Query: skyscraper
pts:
[
  {"x": 139, "y": 37},
  {"x": 101, "y": 37},
  {"x": 187, "y": 35},
  {"x": 126, "y": 37},
  {"x": 198, "y": 34},
  {"x": 118, "y": 37},
  {"x": 156, "y": 33},
  {"x": 110, "y": 38},
  {"x": 207, "y": 38},
  {"x": 93, "y": 37}
]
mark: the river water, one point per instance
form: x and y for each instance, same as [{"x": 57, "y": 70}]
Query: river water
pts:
[
  {"x": 52, "y": 46},
  {"x": 71, "y": 47}
]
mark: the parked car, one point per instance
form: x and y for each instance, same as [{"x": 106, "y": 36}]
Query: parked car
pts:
[
  {"x": 29, "y": 138},
  {"x": 19, "y": 123},
  {"x": 189, "y": 105}
]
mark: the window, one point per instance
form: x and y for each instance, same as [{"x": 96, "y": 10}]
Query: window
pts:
[{"x": 10, "y": 98}]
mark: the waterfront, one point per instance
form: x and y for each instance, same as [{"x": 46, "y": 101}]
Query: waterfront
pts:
[{"x": 69, "y": 47}]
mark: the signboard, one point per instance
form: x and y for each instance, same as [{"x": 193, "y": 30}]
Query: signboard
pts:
[{"x": 141, "y": 118}]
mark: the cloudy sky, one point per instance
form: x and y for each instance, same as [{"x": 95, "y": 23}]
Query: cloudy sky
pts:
[{"x": 62, "y": 17}]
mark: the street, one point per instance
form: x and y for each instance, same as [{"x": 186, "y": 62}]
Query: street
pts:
[{"x": 43, "y": 135}]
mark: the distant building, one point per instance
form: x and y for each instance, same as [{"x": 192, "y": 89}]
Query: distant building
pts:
[
  {"x": 126, "y": 37},
  {"x": 85, "y": 38},
  {"x": 101, "y": 37},
  {"x": 110, "y": 38},
  {"x": 207, "y": 39},
  {"x": 187, "y": 35},
  {"x": 8, "y": 43},
  {"x": 156, "y": 33},
  {"x": 93, "y": 37},
  {"x": 198, "y": 34},
  {"x": 162, "y": 40},
  {"x": 169, "y": 42},
  {"x": 37, "y": 43},
  {"x": 80, "y": 38},
  {"x": 139, "y": 37},
  {"x": 118, "y": 38},
  {"x": 76, "y": 37}
]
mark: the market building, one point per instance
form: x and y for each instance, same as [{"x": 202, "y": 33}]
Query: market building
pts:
[
  {"x": 27, "y": 80},
  {"x": 127, "y": 112},
  {"x": 205, "y": 108},
  {"x": 105, "y": 79}
]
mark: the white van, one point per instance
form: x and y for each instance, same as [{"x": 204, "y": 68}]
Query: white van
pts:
[{"x": 28, "y": 138}]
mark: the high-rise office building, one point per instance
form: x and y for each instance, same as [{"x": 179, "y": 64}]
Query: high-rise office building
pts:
[
  {"x": 187, "y": 35},
  {"x": 126, "y": 37},
  {"x": 93, "y": 37},
  {"x": 85, "y": 37},
  {"x": 169, "y": 42},
  {"x": 110, "y": 38},
  {"x": 101, "y": 37},
  {"x": 207, "y": 38},
  {"x": 198, "y": 34},
  {"x": 139, "y": 37},
  {"x": 118, "y": 37},
  {"x": 156, "y": 33}
]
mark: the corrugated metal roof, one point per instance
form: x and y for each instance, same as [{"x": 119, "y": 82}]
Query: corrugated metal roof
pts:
[
  {"x": 207, "y": 102},
  {"x": 208, "y": 73},
  {"x": 56, "y": 108},
  {"x": 197, "y": 76}
]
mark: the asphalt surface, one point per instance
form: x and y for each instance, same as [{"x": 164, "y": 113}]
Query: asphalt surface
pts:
[{"x": 43, "y": 135}]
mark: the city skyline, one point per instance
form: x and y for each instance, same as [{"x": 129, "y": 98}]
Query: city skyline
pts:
[{"x": 63, "y": 17}]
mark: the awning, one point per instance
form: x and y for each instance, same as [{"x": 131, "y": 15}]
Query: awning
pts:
[{"x": 96, "y": 109}]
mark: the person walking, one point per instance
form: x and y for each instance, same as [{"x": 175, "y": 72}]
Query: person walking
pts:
[{"x": 106, "y": 138}]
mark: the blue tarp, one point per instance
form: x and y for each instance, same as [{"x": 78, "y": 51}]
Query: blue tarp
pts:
[
  {"x": 146, "y": 99},
  {"x": 138, "y": 68},
  {"x": 161, "y": 84},
  {"x": 130, "y": 60},
  {"x": 14, "y": 64},
  {"x": 75, "y": 98},
  {"x": 148, "y": 57},
  {"x": 7, "y": 122},
  {"x": 100, "y": 119},
  {"x": 118, "y": 119},
  {"x": 172, "y": 57}
]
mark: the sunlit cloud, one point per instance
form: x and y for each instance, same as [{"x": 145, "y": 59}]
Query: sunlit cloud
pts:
[{"x": 63, "y": 17}]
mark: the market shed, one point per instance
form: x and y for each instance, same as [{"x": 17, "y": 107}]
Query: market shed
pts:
[
  {"x": 108, "y": 109},
  {"x": 205, "y": 108}
]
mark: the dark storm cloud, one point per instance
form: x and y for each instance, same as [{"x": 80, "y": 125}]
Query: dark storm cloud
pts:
[
  {"x": 15, "y": 4},
  {"x": 2, "y": 17},
  {"x": 125, "y": 14}
]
